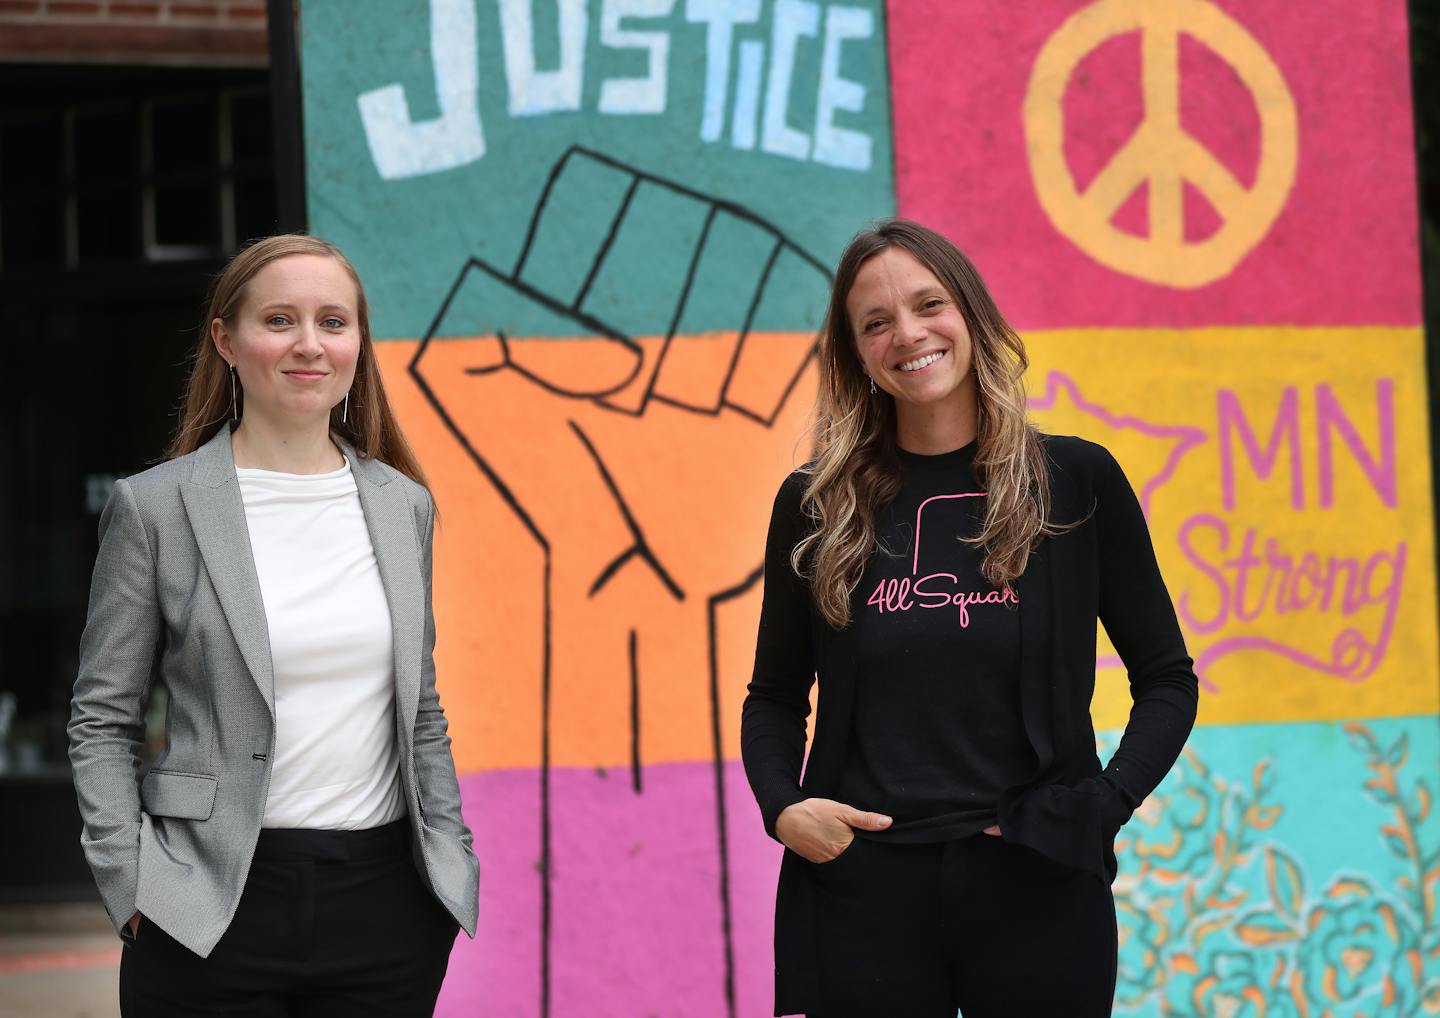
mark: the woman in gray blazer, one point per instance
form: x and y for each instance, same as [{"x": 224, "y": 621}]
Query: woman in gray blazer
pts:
[{"x": 298, "y": 846}]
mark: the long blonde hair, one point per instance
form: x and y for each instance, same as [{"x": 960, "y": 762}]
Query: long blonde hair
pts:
[
  {"x": 856, "y": 469},
  {"x": 370, "y": 426}
]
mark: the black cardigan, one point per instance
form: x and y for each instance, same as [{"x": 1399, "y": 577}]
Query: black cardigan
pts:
[{"x": 1070, "y": 810}]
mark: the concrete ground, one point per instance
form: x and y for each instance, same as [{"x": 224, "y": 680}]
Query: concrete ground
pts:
[{"x": 58, "y": 961}]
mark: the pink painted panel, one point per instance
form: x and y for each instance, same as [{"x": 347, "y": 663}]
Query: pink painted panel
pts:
[
  {"x": 1343, "y": 246},
  {"x": 636, "y": 917}
]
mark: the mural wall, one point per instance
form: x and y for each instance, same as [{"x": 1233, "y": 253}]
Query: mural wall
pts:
[{"x": 597, "y": 236}]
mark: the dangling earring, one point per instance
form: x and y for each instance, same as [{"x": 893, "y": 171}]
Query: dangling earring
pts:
[
  {"x": 872, "y": 385},
  {"x": 345, "y": 410},
  {"x": 234, "y": 413}
]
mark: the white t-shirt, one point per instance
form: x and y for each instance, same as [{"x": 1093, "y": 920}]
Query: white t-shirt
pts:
[{"x": 335, "y": 764}]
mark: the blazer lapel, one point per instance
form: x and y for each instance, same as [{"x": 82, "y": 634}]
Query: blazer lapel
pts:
[
  {"x": 217, "y": 518},
  {"x": 391, "y": 523}
]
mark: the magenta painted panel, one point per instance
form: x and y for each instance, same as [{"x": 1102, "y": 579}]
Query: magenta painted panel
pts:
[
  {"x": 636, "y": 916},
  {"x": 1343, "y": 248}
]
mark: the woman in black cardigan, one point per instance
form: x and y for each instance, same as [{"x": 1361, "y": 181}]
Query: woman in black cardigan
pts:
[{"x": 940, "y": 567}]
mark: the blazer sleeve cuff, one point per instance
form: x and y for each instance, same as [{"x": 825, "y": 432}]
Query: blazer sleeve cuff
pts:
[{"x": 120, "y": 906}]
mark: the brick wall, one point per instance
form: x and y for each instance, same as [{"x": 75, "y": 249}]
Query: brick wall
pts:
[{"x": 173, "y": 32}]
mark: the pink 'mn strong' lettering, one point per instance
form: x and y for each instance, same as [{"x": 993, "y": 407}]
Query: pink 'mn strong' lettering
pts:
[
  {"x": 1231, "y": 416},
  {"x": 1330, "y": 417}
]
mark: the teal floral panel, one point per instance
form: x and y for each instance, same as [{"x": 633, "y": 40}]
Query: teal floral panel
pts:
[{"x": 1286, "y": 871}]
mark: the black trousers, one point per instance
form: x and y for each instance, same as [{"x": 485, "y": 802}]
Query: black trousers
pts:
[
  {"x": 990, "y": 928},
  {"x": 330, "y": 923}
]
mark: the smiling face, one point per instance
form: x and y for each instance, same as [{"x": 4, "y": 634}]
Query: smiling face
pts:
[
  {"x": 911, "y": 337},
  {"x": 294, "y": 340}
]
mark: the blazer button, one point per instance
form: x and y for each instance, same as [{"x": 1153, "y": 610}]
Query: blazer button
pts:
[{"x": 258, "y": 756}]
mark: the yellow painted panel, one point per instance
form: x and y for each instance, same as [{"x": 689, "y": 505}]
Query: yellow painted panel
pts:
[{"x": 1286, "y": 478}]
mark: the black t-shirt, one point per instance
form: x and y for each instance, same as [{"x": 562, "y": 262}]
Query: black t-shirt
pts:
[{"x": 938, "y": 733}]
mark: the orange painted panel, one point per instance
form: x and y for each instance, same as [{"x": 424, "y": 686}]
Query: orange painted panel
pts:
[{"x": 639, "y": 520}]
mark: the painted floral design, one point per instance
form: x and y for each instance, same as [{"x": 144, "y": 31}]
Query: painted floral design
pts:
[
  {"x": 1232, "y": 984},
  {"x": 1353, "y": 954},
  {"x": 1172, "y": 831},
  {"x": 1217, "y": 919},
  {"x": 1142, "y": 933}
]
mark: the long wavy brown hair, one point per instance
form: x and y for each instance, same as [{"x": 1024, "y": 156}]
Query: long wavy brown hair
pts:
[
  {"x": 370, "y": 426},
  {"x": 856, "y": 469}
]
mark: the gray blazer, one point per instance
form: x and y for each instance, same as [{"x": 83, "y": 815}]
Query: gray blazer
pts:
[{"x": 175, "y": 600}]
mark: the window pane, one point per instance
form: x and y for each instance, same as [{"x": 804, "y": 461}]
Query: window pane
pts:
[
  {"x": 254, "y": 207},
  {"x": 184, "y": 135},
  {"x": 107, "y": 144},
  {"x": 32, "y": 233},
  {"x": 188, "y": 215},
  {"x": 31, "y": 154},
  {"x": 107, "y": 225},
  {"x": 250, "y": 128}
]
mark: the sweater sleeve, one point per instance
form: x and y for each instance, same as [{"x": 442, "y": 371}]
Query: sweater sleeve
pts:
[
  {"x": 1137, "y": 613},
  {"x": 772, "y": 722}
]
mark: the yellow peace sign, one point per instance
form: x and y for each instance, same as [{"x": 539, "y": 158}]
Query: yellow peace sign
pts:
[{"x": 1160, "y": 153}]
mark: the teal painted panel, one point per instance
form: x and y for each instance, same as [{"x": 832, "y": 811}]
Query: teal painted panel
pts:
[
  {"x": 1287, "y": 870},
  {"x": 433, "y": 129},
  {"x": 793, "y": 291},
  {"x": 582, "y": 212},
  {"x": 727, "y": 276},
  {"x": 642, "y": 279}
]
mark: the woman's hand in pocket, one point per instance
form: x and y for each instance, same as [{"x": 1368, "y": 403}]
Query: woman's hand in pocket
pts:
[
  {"x": 819, "y": 830},
  {"x": 993, "y": 830}
]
